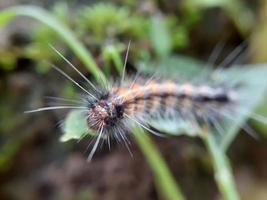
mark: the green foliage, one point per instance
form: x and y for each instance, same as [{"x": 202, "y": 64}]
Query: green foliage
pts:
[
  {"x": 104, "y": 21},
  {"x": 253, "y": 91},
  {"x": 112, "y": 54},
  {"x": 7, "y": 60},
  {"x": 65, "y": 33},
  {"x": 165, "y": 182},
  {"x": 175, "y": 67},
  {"x": 160, "y": 37},
  {"x": 222, "y": 169},
  {"x": 104, "y": 26},
  {"x": 99, "y": 26},
  {"x": 108, "y": 22},
  {"x": 7, "y": 153},
  {"x": 237, "y": 11},
  {"x": 75, "y": 126}
]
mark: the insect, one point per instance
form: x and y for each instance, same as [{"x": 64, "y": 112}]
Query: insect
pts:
[{"x": 156, "y": 105}]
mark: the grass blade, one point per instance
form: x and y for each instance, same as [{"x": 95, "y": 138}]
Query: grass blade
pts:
[
  {"x": 222, "y": 169},
  {"x": 163, "y": 176}
]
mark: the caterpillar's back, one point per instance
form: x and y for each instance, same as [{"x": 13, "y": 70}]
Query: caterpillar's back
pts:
[{"x": 149, "y": 103}]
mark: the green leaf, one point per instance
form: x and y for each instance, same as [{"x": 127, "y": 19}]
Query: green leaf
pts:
[
  {"x": 175, "y": 67},
  {"x": 252, "y": 93},
  {"x": 160, "y": 36},
  {"x": 75, "y": 126}
]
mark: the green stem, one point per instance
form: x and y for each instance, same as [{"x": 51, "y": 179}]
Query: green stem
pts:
[
  {"x": 115, "y": 55},
  {"x": 163, "y": 176},
  {"x": 223, "y": 172},
  {"x": 63, "y": 31}
]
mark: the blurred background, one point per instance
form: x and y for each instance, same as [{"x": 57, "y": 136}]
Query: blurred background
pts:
[{"x": 34, "y": 164}]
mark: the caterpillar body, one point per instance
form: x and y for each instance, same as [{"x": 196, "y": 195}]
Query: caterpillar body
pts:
[
  {"x": 161, "y": 105},
  {"x": 156, "y": 100}
]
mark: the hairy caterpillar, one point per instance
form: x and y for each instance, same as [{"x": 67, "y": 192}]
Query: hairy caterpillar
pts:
[{"x": 152, "y": 103}]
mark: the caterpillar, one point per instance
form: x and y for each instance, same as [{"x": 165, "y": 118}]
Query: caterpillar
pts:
[{"x": 153, "y": 104}]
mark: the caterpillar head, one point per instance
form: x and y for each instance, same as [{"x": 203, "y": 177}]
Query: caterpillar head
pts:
[{"x": 104, "y": 113}]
